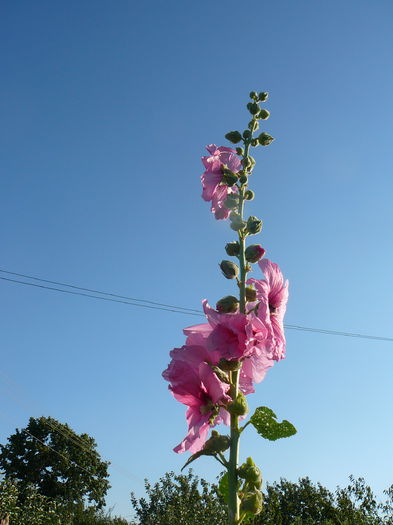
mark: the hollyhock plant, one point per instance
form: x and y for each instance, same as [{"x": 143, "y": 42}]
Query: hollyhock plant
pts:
[
  {"x": 212, "y": 179},
  {"x": 226, "y": 356}
]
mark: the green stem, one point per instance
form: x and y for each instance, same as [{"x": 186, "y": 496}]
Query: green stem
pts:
[{"x": 233, "y": 506}]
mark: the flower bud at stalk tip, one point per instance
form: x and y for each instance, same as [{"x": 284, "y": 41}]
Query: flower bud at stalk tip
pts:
[
  {"x": 228, "y": 305},
  {"x": 254, "y": 95},
  {"x": 263, "y": 96},
  {"x": 229, "y": 269},
  {"x": 247, "y": 134},
  {"x": 254, "y": 252}
]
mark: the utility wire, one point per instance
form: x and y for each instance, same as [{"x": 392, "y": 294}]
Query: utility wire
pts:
[
  {"x": 98, "y": 291},
  {"x": 166, "y": 307},
  {"x": 54, "y": 450}
]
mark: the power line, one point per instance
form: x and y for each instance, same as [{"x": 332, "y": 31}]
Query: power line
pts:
[
  {"x": 166, "y": 307},
  {"x": 111, "y": 294},
  {"x": 171, "y": 309},
  {"x": 54, "y": 450}
]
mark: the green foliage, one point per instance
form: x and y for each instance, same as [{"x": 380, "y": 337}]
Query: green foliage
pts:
[
  {"x": 35, "y": 509},
  {"x": 305, "y": 503},
  {"x": 177, "y": 500},
  {"x": 40, "y": 510},
  {"x": 264, "y": 420},
  {"x": 60, "y": 464},
  {"x": 180, "y": 500}
]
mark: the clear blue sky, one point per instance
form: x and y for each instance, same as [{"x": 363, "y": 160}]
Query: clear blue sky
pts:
[{"x": 105, "y": 111}]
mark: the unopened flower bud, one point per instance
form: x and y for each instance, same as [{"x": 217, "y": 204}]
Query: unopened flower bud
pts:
[
  {"x": 232, "y": 201},
  {"x": 243, "y": 179},
  {"x": 227, "y": 305},
  {"x": 251, "y": 294},
  {"x": 265, "y": 139},
  {"x": 253, "y": 125},
  {"x": 229, "y": 269},
  {"x": 249, "y": 195},
  {"x": 254, "y": 95},
  {"x": 234, "y": 137},
  {"x": 252, "y": 502},
  {"x": 240, "y": 151},
  {"x": 263, "y": 96},
  {"x": 253, "y": 108},
  {"x": 216, "y": 443},
  {"x": 246, "y": 162},
  {"x": 254, "y": 225},
  {"x": 232, "y": 248},
  {"x": 239, "y": 406},
  {"x": 254, "y": 252},
  {"x": 247, "y": 134},
  {"x": 255, "y": 143},
  {"x": 264, "y": 114},
  {"x": 228, "y": 177},
  {"x": 229, "y": 366},
  {"x": 251, "y": 473}
]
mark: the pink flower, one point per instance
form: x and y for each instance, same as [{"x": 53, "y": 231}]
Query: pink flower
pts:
[
  {"x": 194, "y": 384},
  {"x": 211, "y": 179},
  {"x": 235, "y": 337},
  {"x": 272, "y": 294}
]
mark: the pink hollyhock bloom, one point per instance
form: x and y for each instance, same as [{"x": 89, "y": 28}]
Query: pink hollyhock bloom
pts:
[
  {"x": 235, "y": 337},
  {"x": 211, "y": 179},
  {"x": 194, "y": 384},
  {"x": 272, "y": 295}
]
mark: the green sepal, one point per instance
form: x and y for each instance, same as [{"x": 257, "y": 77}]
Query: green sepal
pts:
[
  {"x": 239, "y": 406},
  {"x": 266, "y": 424},
  {"x": 215, "y": 444}
]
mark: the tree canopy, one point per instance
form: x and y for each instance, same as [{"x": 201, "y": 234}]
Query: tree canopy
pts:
[{"x": 60, "y": 464}]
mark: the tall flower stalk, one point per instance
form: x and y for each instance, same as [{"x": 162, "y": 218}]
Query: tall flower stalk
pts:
[{"x": 243, "y": 337}]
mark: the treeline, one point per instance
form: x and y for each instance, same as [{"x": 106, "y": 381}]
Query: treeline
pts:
[
  {"x": 54, "y": 476},
  {"x": 188, "y": 500}
]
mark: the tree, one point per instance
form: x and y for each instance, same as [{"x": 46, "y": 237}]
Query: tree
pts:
[
  {"x": 57, "y": 462},
  {"x": 180, "y": 500}
]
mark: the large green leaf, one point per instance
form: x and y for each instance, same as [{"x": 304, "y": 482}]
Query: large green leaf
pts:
[{"x": 266, "y": 424}]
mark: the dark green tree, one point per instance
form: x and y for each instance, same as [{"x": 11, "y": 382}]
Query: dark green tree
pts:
[
  {"x": 306, "y": 503},
  {"x": 180, "y": 500},
  {"x": 59, "y": 463}
]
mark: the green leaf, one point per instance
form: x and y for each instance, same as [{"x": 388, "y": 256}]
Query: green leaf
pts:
[
  {"x": 223, "y": 487},
  {"x": 266, "y": 424}
]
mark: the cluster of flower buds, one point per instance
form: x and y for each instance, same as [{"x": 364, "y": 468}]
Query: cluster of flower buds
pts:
[
  {"x": 250, "y": 494},
  {"x": 257, "y": 114}
]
